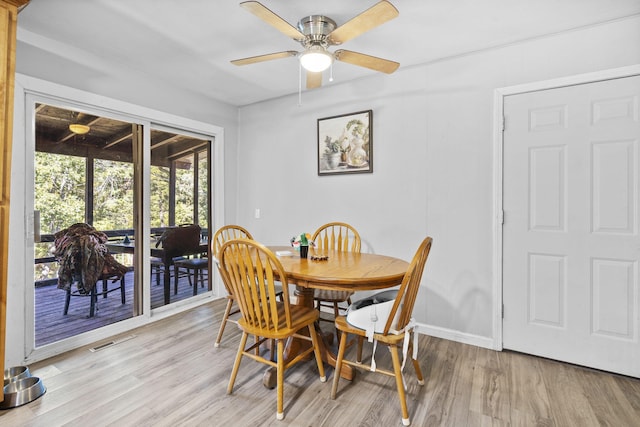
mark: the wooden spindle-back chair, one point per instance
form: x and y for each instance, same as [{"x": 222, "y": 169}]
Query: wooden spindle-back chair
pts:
[
  {"x": 223, "y": 234},
  {"x": 397, "y": 328},
  {"x": 251, "y": 270},
  {"x": 342, "y": 237}
]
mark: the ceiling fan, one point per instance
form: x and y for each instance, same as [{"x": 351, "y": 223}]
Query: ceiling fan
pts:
[{"x": 317, "y": 32}]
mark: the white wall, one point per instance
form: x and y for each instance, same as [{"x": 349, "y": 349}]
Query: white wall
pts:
[{"x": 433, "y": 163}]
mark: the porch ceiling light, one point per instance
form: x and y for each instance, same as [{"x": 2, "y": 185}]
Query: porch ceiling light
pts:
[{"x": 79, "y": 129}]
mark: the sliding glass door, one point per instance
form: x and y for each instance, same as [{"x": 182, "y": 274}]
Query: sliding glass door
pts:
[
  {"x": 179, "y": 196},
  {"x": 88, "y": 170},
  {"x": 83, "y": 174}
]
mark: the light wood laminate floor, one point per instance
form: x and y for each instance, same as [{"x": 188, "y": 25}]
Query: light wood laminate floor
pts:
[{"x": 170, "y": 374}]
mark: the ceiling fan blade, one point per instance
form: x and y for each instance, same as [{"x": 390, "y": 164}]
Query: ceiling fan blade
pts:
[
  {"x": 376, "y": 15},
  {"x": 272, "y": 19},
  {"x": 267, "y": 57},
  {"x": 367, "y": 61},
  {"x": 314, "y": 80}
]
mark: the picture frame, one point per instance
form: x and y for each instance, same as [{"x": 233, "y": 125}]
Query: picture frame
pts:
[{"x": 345, "y": 143}]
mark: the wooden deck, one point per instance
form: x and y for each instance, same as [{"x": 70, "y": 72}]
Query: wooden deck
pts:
[{"x": 52, "y": 325}]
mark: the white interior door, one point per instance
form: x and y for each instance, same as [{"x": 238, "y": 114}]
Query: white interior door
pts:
[{"x": 570, "y": 239}]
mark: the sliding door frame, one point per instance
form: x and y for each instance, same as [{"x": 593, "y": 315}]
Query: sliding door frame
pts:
[{"x": 20, "y": 338}]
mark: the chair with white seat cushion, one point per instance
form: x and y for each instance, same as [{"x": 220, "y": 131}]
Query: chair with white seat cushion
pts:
[{"x": 395, "y": 331}]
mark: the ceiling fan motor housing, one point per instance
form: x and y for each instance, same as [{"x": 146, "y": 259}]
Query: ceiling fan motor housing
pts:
[{"x": 316, "y": 28}]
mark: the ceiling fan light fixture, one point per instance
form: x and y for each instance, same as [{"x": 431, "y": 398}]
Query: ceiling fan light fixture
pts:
[
  {"x": 79, "y": 129},
  {"x": 316, "y": 59}
]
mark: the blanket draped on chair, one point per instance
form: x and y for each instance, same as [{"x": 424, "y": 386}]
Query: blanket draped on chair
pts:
[{"x": 84, "y": 258}]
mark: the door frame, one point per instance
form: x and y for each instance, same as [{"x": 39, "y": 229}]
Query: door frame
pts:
[
  {"x": 20, "y": 336},
  {"x": 498, "y": 169}
]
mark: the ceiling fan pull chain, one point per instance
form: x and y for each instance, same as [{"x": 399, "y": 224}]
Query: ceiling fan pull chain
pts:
[{"x": 299, "y": 84}]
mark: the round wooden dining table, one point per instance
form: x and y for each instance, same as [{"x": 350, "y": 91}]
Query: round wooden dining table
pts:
[{"x": 344, "y": 271}]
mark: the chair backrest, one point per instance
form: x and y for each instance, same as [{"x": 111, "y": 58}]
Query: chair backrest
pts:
[
  {"x": 228, "y": 232},
  {"x": 338, "y": 236},
  {"x": 181, "y": 240},
  {"x": 402, "y": 309},
  {"x": 251, "y": 271}
]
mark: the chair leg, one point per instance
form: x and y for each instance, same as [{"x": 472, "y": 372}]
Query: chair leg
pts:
[
  {"x": 122, "y": 290},
  {"x": 257, "y": 349},
  {"x": 336, "y": 313},
  {"x": 336, "y": 374},
  {"x": 176, "y": 274},
  {"x": 316, "y": 349},
  {"x": 105, "y": 287},
  {"x": 359, "y": 348},
  {"x": 399, "y": 384},
  {"x": 272, "y": 350},
  {"x": 67, "y": 299},
  {"x": 189, "y": 277},
  {"x": 94, "y": 300},
  {"x": 223, "y": 323},
  {"x": 280, "y": 381},
  {"x": 195, "y": 280},
  {"x": 236, "y": 364},
  {"x": 416, "y": 364}
]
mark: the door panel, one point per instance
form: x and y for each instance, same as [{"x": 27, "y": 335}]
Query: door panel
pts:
[
  {"x": 613, "y": 187},
  {"x": 547, "y": 202},
  {"x": 571, "y": 247},
  {"x": 547, "y": 287}
]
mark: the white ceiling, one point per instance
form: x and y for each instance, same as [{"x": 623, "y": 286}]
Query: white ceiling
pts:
[{"x": 190, "y": 43}]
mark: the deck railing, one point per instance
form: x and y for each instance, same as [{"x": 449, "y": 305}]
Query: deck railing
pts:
[{"x": 111, "y": 234}]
